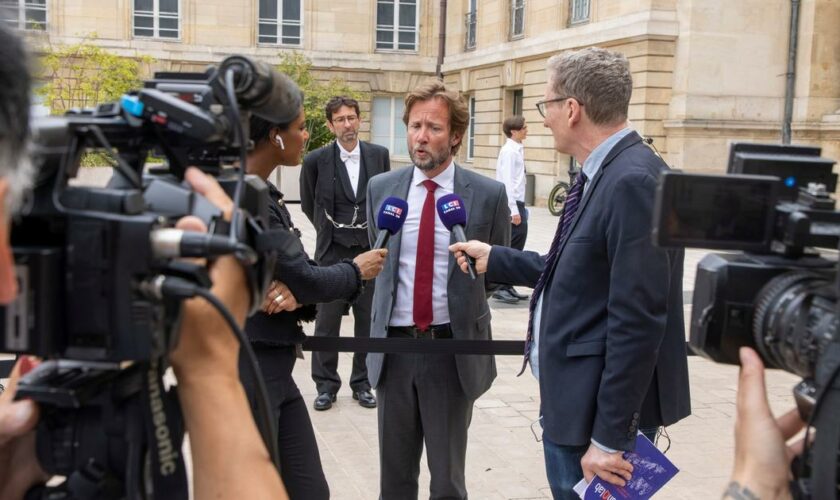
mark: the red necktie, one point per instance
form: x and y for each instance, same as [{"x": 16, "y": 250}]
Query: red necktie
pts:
[{"x": 425, "y": 264}]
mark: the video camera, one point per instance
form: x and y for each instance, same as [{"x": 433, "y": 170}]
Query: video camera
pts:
[
  {"x": 779, "y": 295},
  {"x": 101, "y": 273}
]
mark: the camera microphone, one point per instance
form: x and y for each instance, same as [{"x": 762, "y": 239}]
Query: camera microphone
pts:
[
  {"x": 265, "y": 91},
  {"x": 172, "y": 243},
  {"x": 390, "y": 220},
  {"x": 450, "y": 209}
]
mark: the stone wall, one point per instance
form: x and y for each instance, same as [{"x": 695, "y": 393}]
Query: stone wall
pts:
[{"x": 705, "y": 72}]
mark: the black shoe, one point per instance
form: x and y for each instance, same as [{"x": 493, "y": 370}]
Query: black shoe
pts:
[
  {"x": 365, "y": 398},
  {"x": 520, "y": 296},
  {"x": 324, "y": 401},
  {"x": 505, "y": 296}
]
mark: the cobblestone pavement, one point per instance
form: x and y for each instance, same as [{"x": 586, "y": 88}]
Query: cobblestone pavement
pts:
[{"x": 504, "y": 459}]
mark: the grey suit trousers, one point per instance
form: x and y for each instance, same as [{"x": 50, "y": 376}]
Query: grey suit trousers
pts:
[{"x": 421, "y": 400}]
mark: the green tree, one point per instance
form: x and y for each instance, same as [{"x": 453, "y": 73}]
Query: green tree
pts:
[
  {"x": 316, "y": 94},
  {"x": 84, "y": 75}
]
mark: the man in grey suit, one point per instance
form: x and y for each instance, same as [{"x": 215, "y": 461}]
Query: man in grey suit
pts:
[
  {"x": 333, "y": 187},
  {"x": 429, "y": 397}
]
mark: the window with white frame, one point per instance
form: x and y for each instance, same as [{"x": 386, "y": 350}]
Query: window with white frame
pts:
[
  {"x": 517, "y": 19},
  {"x": 396, "y": 24},
  {"x": 157, "y": 19},
  {"x": 471, "y": 131},
  {"x": 280, "y": 22},
  {"x": 386, "y": 125},
  {"x": 579, "y": 11},
  {"x": 24, "y": 14},
  {"x": 470, "y": 26}
]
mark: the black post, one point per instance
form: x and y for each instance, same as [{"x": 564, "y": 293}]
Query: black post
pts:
[
  {"x": 441, "y": 40},
  {"x": 791, "y": 70}
]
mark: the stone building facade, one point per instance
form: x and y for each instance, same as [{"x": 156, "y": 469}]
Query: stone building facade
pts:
[{"x": 706, "y": 72}]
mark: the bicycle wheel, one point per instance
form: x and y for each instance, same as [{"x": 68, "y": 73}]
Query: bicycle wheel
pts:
[{"x": 557, "y": 198}]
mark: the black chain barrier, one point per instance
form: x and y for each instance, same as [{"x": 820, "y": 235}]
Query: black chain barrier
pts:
[
  {"x": 393, "y": 346},
  {"x": 420, "y": 346}
]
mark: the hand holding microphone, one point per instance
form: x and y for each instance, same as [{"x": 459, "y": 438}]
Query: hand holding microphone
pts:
[
  {"x": 389, "y": 220},
  {"x": 370, "y": 263},
  {"x": 452, "y": 213},
  {"x": 473, "y": 249}
]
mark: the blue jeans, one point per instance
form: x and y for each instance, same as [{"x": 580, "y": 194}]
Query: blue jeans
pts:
[{"x": 562, "y": 466}]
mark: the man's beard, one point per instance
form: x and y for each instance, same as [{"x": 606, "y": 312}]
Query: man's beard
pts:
[
  {"x": 432, "y": 161},
  {"x": 349, "y": 137}
]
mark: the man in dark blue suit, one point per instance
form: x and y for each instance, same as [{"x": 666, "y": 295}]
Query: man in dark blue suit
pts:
[{"x": 606, "y": 337}]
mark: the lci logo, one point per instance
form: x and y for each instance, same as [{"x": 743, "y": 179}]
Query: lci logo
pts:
[
  {"x": 394, "y": 211},
  {"x": 450, "y": 206}
]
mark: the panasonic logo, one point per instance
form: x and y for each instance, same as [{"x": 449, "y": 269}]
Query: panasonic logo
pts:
[{"x": 167, "y": 455}]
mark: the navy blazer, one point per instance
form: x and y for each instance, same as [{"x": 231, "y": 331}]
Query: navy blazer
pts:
[{"x": 612, "y": 354}]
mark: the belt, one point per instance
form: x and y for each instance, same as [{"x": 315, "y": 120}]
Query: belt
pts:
[{"x": 433, "y": 332}]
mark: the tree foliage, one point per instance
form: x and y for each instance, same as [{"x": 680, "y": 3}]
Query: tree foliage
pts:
[
  {"x": 316, "y": 94},
  {"x": 84, "y": 75}
]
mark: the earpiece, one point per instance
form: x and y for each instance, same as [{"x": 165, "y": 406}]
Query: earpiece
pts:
[{"x": 280, "y": 141}]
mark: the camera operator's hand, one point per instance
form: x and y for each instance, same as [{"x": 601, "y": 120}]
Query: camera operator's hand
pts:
[
  {"x": 19, "y": 467},
  {"x": 478, "y": 250},
  {"x": 762, "y": 458},
  {"x": 371, "y": 262},
  {"x": 203, "y": 351},
  {"x": 230, "y": 459},
  {"x": 279, "y": 298}
]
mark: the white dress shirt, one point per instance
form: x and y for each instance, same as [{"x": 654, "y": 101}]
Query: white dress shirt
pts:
[
  {"x": 403, "y": 312},
  {"x": 510, "y": 171},
  {"x": 352, "y": 161}
]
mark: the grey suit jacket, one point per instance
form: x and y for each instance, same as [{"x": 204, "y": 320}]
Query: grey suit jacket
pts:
[
  {"x": 488, "y": 220},
  {"x": 318, "y": 186}
]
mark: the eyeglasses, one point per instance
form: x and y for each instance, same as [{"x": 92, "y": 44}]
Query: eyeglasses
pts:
[
  {"x": 341, "y": 120},
  {"x": 541, "y": 104}
]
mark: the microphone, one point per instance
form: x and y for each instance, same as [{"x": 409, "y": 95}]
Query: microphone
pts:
[
  {"x": 173, "y": 243},
  {"x": 390, "y": 220},
  {"x": 261, "y": 89},
  {"x": 450, "y": 209}
]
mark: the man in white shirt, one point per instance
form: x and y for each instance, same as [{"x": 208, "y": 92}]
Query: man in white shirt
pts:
[
  {"x": 333, "y": 187},
  {"x": 510, "y": 171},
  {"x": 428, "y": 398}
]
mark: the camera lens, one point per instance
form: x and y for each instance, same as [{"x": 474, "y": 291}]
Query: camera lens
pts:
[{"x": 794, "y": 320}]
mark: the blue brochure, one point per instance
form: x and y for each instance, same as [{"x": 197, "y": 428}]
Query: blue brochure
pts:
[{"x": 651, "y": 470}]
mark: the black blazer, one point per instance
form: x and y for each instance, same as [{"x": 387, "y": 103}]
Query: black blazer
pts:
[
  {"x": 309, "y": 283},
  {"x": 612, "y": 354},
  {"x": 318, "y": 186}
]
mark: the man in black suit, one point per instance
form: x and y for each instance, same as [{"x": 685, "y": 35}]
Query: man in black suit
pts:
[
  {"x": 333, "y": 187},
  {"x": 606, "y": 337}
]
